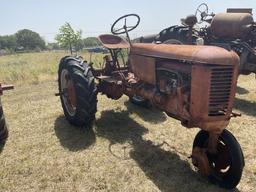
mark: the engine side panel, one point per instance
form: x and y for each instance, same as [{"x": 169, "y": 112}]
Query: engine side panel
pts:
[
  {"x": 144, "y": 68},
  {"x": 200, "y": 88}
]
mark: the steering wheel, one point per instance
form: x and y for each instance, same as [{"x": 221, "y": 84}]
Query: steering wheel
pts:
[
  {"x": 202, "y": 9},
  {"x": 125, "y": 28}
]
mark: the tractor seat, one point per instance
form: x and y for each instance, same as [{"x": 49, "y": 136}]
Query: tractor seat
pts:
[{"x": 113, "y": 42}]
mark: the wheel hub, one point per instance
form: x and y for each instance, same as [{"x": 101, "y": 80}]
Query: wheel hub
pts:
[
  {"x": 222, "y": 159},
  {"x": 69, "y": 93}
]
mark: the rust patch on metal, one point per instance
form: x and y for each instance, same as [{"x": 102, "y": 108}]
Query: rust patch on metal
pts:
[
  {"x": 71, "y": 93},
  {"x": 200, "y": 160},
  {"x": 197, "y": 54},
  {"x": 144, "y": 68}
]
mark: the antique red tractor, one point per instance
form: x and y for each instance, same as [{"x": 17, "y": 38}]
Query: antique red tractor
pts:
[
  {"x": 234, "y": 30},
  {"x": 193, "y": 84},
  {"x": 3, "y": 127}
]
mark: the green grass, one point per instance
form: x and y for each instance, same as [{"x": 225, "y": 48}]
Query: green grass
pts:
[
  {"x": 34, "y": 68},
  {"x": 129, "y": 149}
]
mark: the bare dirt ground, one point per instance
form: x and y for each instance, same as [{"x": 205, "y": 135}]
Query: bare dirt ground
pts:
[{"x": 129, "y": 149}]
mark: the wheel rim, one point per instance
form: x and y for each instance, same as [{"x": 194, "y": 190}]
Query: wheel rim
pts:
[
  {"x": 221, "y": 162},
  {"x": 225, "y": 165},
  {"x": 68, "y": 92}
]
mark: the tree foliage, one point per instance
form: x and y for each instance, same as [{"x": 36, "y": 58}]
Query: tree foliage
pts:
[
  {"x": 29, "y": 40},
  {"x": 53, "y": 46},
  {"x": 8, "y": 42},
  {"x": 91, "y": 42},
  {"x": 24, "y": 39},
  {"x": 68, "y": 38}
]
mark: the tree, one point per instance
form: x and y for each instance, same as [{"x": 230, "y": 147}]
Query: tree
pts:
[
  {"x": 68, "y": 38},
  {"x": 8, "y": 42},
  {"x": 29, "y": 40},
  {"x": 91, "y": 42},
  {"x": 79, "y": 45},
  {"x": 53, "y": 46}
]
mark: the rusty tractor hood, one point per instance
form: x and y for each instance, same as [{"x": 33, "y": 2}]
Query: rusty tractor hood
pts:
[{"x": 191, "y": 53}]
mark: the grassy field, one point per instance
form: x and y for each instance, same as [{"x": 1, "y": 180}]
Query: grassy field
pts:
[
  {"x": 129, "y": 149},
  {"x": 33, "y": 68}
]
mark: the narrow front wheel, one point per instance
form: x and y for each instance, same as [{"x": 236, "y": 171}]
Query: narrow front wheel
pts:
[{"x": 226, "y": 166}]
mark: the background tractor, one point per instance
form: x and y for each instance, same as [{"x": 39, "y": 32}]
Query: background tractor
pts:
[
  {"x": 193, "y": 84},
  {"x": 234, "y": 30}
]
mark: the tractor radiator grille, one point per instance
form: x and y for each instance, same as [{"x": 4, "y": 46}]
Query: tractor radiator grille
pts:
[{"x": 221, "y": 84}]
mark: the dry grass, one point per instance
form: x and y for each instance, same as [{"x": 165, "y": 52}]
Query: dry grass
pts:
[
  {"x": 33, "y": 68},
  {"x": 129, "y": 149}
]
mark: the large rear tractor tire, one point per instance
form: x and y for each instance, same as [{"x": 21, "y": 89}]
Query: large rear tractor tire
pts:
[
  {"x": 226, "y": 166},
  {"x": 78, "y": 92},
  {"x": 3, "y": 127}
]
